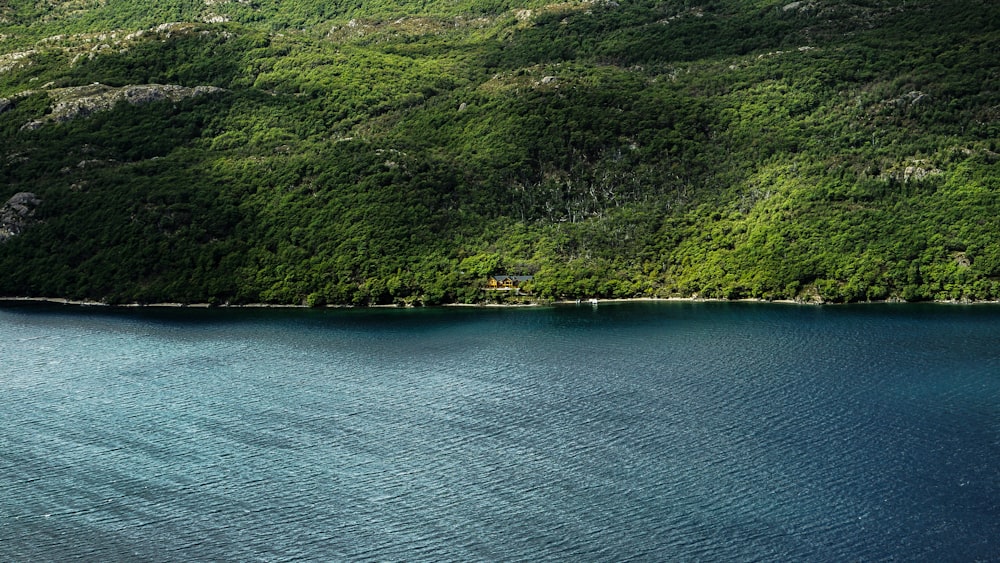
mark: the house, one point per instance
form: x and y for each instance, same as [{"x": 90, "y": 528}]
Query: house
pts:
[{"x": 507, "y": 281}]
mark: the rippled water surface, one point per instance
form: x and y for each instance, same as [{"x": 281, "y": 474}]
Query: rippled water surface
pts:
[{"x": 657, "y": 431}]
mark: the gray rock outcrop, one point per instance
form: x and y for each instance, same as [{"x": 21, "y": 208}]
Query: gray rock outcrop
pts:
[
  {"x": 81, "y": 101},
  {"x": 17, "y": 214}
]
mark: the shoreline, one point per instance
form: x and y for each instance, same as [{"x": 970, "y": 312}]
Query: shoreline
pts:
[{"x": 558, "y": 302}]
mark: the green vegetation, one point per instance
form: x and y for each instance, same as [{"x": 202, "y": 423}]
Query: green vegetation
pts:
[{"x": 377, "y": 152}]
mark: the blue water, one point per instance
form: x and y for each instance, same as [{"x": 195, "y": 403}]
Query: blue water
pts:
[{"x": 657, "y": 431}]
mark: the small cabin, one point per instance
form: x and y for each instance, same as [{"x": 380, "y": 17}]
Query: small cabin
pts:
[{"x": 506, "y": 281}]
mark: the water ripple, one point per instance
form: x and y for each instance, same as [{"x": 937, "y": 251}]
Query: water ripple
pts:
[{"x": 680, "y": 431}]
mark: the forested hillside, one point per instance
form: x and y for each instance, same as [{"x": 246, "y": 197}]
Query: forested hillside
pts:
[{"x": 329, "y": 152}]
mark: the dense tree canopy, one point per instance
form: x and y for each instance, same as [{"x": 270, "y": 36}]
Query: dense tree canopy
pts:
[{"x": 381, "y": 152}]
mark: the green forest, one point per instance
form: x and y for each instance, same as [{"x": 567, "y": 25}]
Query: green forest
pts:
[{"x": 362, "y": 153}]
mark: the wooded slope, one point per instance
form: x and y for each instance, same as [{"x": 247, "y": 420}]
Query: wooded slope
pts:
[{"x": 317, "y": 152}]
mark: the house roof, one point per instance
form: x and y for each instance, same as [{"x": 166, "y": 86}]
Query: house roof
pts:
[{"x": 500, "y": 277}]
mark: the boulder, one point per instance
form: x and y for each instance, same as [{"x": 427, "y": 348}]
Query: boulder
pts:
[{"x": 17, "y": 214}]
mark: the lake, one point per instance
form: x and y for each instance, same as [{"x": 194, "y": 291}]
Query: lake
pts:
[{"x": 632, "y": 431}]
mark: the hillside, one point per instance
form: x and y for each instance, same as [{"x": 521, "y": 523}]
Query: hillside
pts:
[{"x": 361, "y": 153}]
